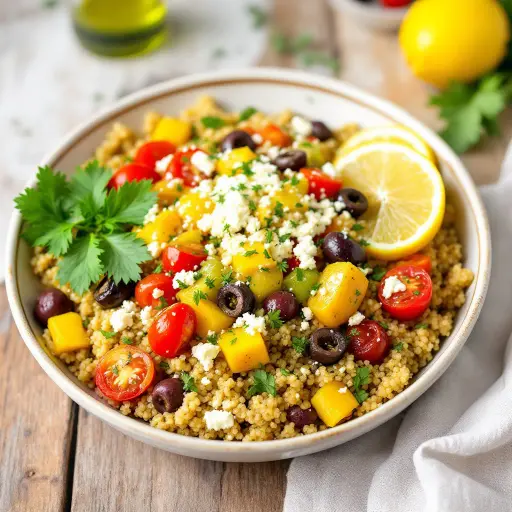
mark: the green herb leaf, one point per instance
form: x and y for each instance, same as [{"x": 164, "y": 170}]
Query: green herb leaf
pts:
[
  {"x": 384, "y": 325},
  {"x": 248, "y": 254},
  {"x": 107, "y": 334},
  {"x": 263, "y": 383},
  {"x": 210, "y": 282},
  {"x": 357, "y": 227},
  {"x": 274, "y": 319},
  {"x": 300, "y": 344},
  {"x": 421, "y": 326},
  {"x": 198, "y": 296},
  {"x": 378, "y": 273},
  {"x": 299, "y": 273},
  {"x": 361, "y": 379},
  {"x": 284, "y": 372},
  {"x": 127, "y": 341},
  {"x": 212, "y": 338},
  {"x": 247, "y": 113},
  {"x": 282, "y": 266},
  {"x": 158, "y": 269},
  {"x": 162, "y": 303},
  {"x": 227, "y": 276},
  {"x": 398, "y": 346},
  {"x": 189, "y": 383},
  {"x": 258, "y": 15},
  {"x": 212, "y": 122}
]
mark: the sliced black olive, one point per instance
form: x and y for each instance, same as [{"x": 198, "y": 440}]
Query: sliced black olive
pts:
[
  {"x": 235, "y": 299},
  {"x": 320, "y": 131},
  {"x": 237, "y": 139},
  {"x": 109, "y": 295},
  {"x": 327, "y": 346},
  {"x": 295, "y": 159},
  {"x": 339, "y": 247},
  {"x": 355, "y": 202},
  {"x": 51, "y": 302}
]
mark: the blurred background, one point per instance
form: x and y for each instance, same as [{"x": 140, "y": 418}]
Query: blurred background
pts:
[{"x": 62, "y": 60}]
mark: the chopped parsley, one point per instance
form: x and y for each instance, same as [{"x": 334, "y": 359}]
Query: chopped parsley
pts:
[
  {"x": 299, "y": 274},
  {"x": 278, "y": 210},
  {"x": 162, "y": 303},
  {"x": 284, "y": 237},
  {"x": 274, "y": 319},
  {"x": 247, "y": 113},
  {"x": 198, "y": 296},
  {"x": 378, "y": 273},
  {"x": 361, "y": 379},
  {"x": 212, "y": 122},
  {"x": 263, "y": 382},
  {"x": 233, "y": 340},
  {"x": 266, "y": 254},
  {"x": 248, "y": 254},
  {"x": 181, "y": 284},
  {"x": 357, "y": 227},
  {"x": 227, "y": 276},
  {"x": 364, "y": 242},
  {"x": 384, "y": 325},
  {"x": 189, "y": 383},
  {"x": 115, "y": 370},
  {"x": 107, "y": 334},
  {"x": 398, "y": 346},
  {"x": 300, "y": 344},
  {"x": 268, "y": 236},
  {"x": 164, "y": 365},
  {"x": 210, "y": 282},
  {"x": 86, "y": 322},
  {"x": 416, "y": 292},
  {"x": 353, "y": 332},
  {"x": 158, "y": 269},
  {"x": 316, "y": 287},
  {"x": 252, "y": 206},
  {"x": 212, "y": 338},
  {"x": 284, "y": 372},
  {"x": 421, "y": 326},
  {"x": 126, "y": 341},
  {"x": 282, "y": 266}
]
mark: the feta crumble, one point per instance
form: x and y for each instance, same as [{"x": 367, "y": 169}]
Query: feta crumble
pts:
[
  {"x": 201, "y": 160},
  {"x": 146, "y": 315},
  {"x": 184, "y": 276},
  {"x": 301, "y": 126},
  {"x": 205, "y": 381},
  {"x": 356, "y": 319},
  {"x": 162, "y": 164},
  {"x": 392, "y": 285},
  {"x": 218, "y": 420},
  {"x": 251, "y": 323},
  {"x": 157, "y": 293},
  {"x": 342, "y": 390},
  {"x": 122, "y": 318},
  {"x": 306, "y": 251},
  {"x": 205, "y": 353},
  {"x": 307, "y": 313}
]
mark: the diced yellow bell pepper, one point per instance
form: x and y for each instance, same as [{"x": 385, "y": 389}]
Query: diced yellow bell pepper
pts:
[
  {"x": 298, "y": 183},
  {"x": 342, "y": 289},
  {"x": 264, "y": 283},
  {"x": 67, "y": 333},
  {"x": 228, "y": 163},
  {"x": 285, "y": 201},
  {"x": 252, "y": 259},
  {"x": 174, "y": 130},
  {"x": 332, "y": 405},
  {"x": 243, "y": 351},
  {"x": 166, "y": 224},
  {"x": 211, "y": 281},
  {"x": 194, "y": 236},
  {"x": 169, "y": 191},
  {"x": 192, "y": 207},
  {"x": 209, "y": 316}
]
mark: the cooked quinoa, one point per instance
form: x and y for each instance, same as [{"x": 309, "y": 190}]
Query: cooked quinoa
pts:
[{"x": 297, "y": 377}]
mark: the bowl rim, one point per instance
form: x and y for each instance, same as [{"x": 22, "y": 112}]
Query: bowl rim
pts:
[{"x": 282, "y": 448}]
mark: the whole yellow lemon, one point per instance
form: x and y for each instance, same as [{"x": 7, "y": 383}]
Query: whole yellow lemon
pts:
[{"x": 454, "y": 40}]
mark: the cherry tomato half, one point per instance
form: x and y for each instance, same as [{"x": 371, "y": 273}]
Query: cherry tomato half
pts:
[
  {"x": 395, "y": 3},
  {"x": 183, "y": 257},
  {"x": 149, "y": 154},
  {"x": 369, "y": 341},
  {"x": 416, "y": 298},
  {"x": 124, "y": 373},
  {"x": 144, "y": 291},
  {"x": 132, "y": 172},
  {"x": 293, "y": 263},
  {"x": 275, "y": 135},
  {"x": 172, "y": 329},
  {"x": 181, "y": 167},
  {"x": 320, "y": 184},
  {"x": 417, "y": 260}
]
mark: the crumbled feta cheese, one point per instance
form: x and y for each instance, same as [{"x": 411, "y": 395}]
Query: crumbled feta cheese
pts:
[
  {"x": 306, "y": 251},
  {"x": 123, "y": 317},
  {"x": 205, "y": 381},
  {"x": 339, "y": 205},
  {"x": 355, "y": 319},
  {"x": 392, "y": 285},
  {"x": 205, "y": 353},
  {"x": 162, "y": 164},
  {"x": 152, "y": 213},
  {"x": 156, "y": 248},
  {"x": 307, "y": 313},
  {"x": 342, "y": 390},
  {"x": 366, "y": 271},
  {"x": 146, "y": 315},
  {"x": 251, "y": 323},
  {"x": 218, "y": 420},
  {"x": 210, "y": 249},
  {"x": 157, "y": 293},
  {"x": 202, "y": 161},
  {"x": 256, "y": 137},
  {"x": 129, "y": 306},
  {"x": 185, "y": 276},
  {"x": 304, "y": 326},
  {"x": 301, "y": 126},
  {"x": 273, "y": 152},
  {"x": 329, "y": 169}
]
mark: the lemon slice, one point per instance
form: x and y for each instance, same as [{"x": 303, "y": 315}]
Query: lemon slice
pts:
[
  {"x": 391, "y": 133},
  {"x": 405, "y": 193}
]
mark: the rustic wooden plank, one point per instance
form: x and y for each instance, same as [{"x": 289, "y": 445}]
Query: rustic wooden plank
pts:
[
  {"x": 35, "y": 428},
  {"x": 373, "y": 61}
]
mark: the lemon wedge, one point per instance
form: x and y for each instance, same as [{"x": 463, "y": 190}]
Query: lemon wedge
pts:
[
  {"x": 405, "y": 193},
  {"x": 391, "y": 133}
]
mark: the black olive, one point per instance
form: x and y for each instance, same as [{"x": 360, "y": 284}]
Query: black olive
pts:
[
  {"x": 284, "y": 302},
  {"x": 167, "y": 395},
  {"x": 301, "y": 417},
  {"x": 109, "y": 295},
  {"x": 355, "y": 202},
  {"x": 236, "y": 299},
  {"x": 237, "y": 139},
  {"x": 320, "y": 131},
  {"x": 295, "y": 159},
  {"x": 327, "y": 346},
  {"x": 51, "y": 302},
  {"x": 338, "y": 247}
]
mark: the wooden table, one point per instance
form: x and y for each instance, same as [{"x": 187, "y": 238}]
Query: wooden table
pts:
[{"x": 56, "y": 457}]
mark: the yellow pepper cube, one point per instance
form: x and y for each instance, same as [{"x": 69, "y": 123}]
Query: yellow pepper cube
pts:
[
  {"x": 298, "y": 183},
  {"x": 243, "y": 351},
  {"x": 333, "y": 402},
  {"x": 67, "y": 333},
  {"x": 230, "y": 163},
  {"x": 174, "y": 130},
  {"x": 252, "y": 258},
  {"x": 342, "y": 289},
  {"x": 263, "y": 283},
  {"x": 193, "y": 207},
  {"x": 193, "y": 236},
  {"x": 209, "y": 316},
  {"x": 166, "y": 224},
  {"x": 286, "y": 201},
  {"x": 169, "y": 191}
]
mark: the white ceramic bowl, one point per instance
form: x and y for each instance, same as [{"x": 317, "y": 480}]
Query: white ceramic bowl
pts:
[{"x": 269, "y": 90}]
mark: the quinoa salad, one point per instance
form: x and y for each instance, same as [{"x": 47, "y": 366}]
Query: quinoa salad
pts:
[{"x": 246, "y": 276}]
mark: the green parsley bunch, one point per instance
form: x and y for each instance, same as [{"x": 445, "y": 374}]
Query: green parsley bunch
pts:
[{"x": 86, "y": 225}]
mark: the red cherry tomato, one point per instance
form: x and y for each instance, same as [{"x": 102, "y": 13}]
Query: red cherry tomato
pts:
[
  {"x": 417, "y": 260},
  {"x": 132, "y": 172},
  {"x": 124, "y": 373},
  {"x": 293, "y": 263},
  {"x": 395, "y": 3},
  {"x": 320, "y": 184},
  {"x": 145, "y": 288},
  {"x": 183, "y": 257},
  {"x": 149, "y": 154},
  {"x": 275, "y": 135},
  {"x": 172, "y": 329},
  {"x": 181, "y": 167},
  {"x": 412, "y": 302},
  {"x": 369, "y": 342}
]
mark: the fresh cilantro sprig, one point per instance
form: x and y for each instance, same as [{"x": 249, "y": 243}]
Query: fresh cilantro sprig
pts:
[
  {"x": 86, "y": 225},
  {"x": 361, "y": 379},
  {"x": 274, "y": 319},
  {"x": 263, "y": 382},
  {"x": 189, "y": 384},
  {"x": 300, "y": 344}
]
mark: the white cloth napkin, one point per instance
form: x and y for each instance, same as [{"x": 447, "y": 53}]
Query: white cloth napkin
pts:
[{"x": 451, "y": 451}]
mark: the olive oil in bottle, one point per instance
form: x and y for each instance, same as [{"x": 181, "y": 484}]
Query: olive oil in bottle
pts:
[{"x": 120, "y": 27}]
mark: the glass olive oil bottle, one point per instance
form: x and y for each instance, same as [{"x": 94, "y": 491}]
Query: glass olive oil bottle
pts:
[{"x": 120, "y": 27}]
